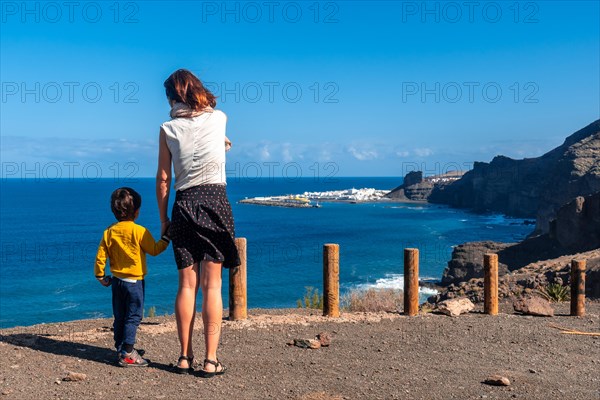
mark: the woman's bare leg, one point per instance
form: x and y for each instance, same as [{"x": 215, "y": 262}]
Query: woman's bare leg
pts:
[
  {"x": 212, "y": 308},
  {"x": 185, "y": 309}
]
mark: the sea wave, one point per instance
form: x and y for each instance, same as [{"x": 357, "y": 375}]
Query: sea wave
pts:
[
  {"x": 396, "y": 281},
  {"x": 95, "y": 315},
  {"x": 62, "y": 289},
  {"x": 66, "y": 306}
]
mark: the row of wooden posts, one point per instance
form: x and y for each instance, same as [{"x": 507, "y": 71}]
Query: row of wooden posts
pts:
[{"x": 238, "y": 299}]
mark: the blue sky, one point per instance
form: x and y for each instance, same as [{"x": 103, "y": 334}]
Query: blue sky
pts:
[{"x": 350, "y": 88}]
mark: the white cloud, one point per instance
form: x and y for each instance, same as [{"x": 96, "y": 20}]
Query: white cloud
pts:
[
  {"x": 286, "y": 153},
  {"x": 423, "y": 152},
  {"x": 76, "y": 149},
  {"x": 264, "y": 153},
  {"x": 324, "y": 154},
  {"x": 362, "y": 155},
  {"x": 72, "y": 155}
]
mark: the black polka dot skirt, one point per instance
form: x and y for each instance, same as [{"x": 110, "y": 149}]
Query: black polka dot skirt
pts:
[{"x": 202, "y": 227}]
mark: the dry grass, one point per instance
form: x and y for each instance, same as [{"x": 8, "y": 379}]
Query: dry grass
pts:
[{"x": 373, "y": 300}]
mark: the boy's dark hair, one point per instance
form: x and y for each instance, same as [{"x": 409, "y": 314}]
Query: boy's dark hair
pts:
[{"x": 124, "y": 202}]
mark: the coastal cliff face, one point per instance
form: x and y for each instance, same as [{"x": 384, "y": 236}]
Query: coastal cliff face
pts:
[
  {"x": 575, "y": 230},
  {"x": 535, "y": 187},
  {"x": 561, "y": 189},
  {"x": 577, "y": 226},
  {"x": 418, "y": 188}
]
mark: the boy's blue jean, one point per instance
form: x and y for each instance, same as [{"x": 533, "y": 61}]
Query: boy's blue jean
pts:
[{"x": 128, "y": 309}]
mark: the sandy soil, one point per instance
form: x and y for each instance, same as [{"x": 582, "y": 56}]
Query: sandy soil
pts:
[{"x": 372, "y": 356}]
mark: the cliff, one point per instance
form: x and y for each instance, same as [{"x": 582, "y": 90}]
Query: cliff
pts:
[
  {"x": 575, "y": 230},
  {"x": 415, "y": 187},
  {"x": 534, "y": 187}
]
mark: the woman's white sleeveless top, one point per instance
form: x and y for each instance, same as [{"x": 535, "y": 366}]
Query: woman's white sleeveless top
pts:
[{"x": 197, "y": 147}]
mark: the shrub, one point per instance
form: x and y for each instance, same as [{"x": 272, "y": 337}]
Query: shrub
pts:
[
  {"x": 555, "y": 292},
  {"x": 152, "y": 312},
  {"x": 373, "y": 300},
  {"x": 311, "y": 299}
]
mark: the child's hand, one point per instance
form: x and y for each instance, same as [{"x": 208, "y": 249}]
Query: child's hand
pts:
[{"x": 106, "y": 281}]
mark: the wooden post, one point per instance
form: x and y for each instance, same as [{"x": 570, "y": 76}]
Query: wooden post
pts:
[
  {"x": 490, "y": 283},
  {"x": 331, "y": 280},
  {"x": 411, "y": 282},
  {"x": 578, "y": 287},
  {"x": 238, "y": 296}
]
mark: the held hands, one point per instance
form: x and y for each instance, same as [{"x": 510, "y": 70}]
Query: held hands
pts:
[
  {"x": 164, "y": 227},
  {"x": 105, "y": 281}
]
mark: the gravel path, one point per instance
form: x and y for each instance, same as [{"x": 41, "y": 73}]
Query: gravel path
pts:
[{"x": 372, "y": 356}]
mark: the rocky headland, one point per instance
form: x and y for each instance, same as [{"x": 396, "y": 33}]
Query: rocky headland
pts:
[
  {"x": 532, "y": 187},
  {"x": 560, "y": 189},
  {"x": 417, "y": 187}
]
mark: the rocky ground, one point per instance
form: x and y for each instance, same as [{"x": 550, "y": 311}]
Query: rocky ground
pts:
[
  {"x": 528, "y": 280},
  {"x": 374, "y": 356}
]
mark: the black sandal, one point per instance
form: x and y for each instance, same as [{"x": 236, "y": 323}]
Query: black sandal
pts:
[
  {"x": 187, "y": 370},
  {"x": 217, "y": 364}
]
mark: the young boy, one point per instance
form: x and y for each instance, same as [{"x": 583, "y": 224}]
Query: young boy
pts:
[{"x": 125, "y": 244}]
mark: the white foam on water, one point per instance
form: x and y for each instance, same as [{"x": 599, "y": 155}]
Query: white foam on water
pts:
[
  {"x": 66, "y": 306},
  {"x": 96, "y": 315},
  {"x": 65, "y": 288},
  {"x": 396, "y": 281}
]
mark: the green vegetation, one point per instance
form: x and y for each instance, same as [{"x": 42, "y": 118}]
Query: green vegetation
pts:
[
  {"x": 311, "y": 299},
  {"x": 555, "y": 292},
  {"x": 152, "y": 312}
]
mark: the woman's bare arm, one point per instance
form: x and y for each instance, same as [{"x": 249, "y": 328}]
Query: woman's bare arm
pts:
[{"x": 163, "y": 181}]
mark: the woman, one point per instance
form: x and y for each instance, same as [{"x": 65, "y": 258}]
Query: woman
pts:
[{"x": 202, "y": 230}]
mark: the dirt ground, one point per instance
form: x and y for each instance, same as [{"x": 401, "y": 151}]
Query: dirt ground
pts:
[{"x": 372, "y": 356}]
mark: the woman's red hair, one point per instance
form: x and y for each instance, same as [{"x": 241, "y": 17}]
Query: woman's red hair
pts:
[{"x": 184, "y": 87}]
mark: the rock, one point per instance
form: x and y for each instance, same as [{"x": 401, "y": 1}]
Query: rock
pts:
[
  {"x": 74, "y": 377},
  {"x": 418, "y": 188},
  {"x": 307, "y": 343},
  {"x": 455, "y": 307},
  {"x": 592, "y": 278},
  {"x": 577, "y": 224},
  {"x": 533, "y": 306},
  {"x": 324, "y": 338},
  {"x": 467, "y": 262},
  {"x": 497, "y": 380}
]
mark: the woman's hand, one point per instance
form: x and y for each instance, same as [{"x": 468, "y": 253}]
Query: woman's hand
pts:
[{"x": 228, "y": 144}]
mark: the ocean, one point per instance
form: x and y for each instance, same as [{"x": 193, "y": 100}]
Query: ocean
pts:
[{"x": 50, "y": 230}]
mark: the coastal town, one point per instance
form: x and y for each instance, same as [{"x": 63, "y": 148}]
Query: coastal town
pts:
[
  {"x": 415, "y": 187},
  {"x": 313, "y": 199}
]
